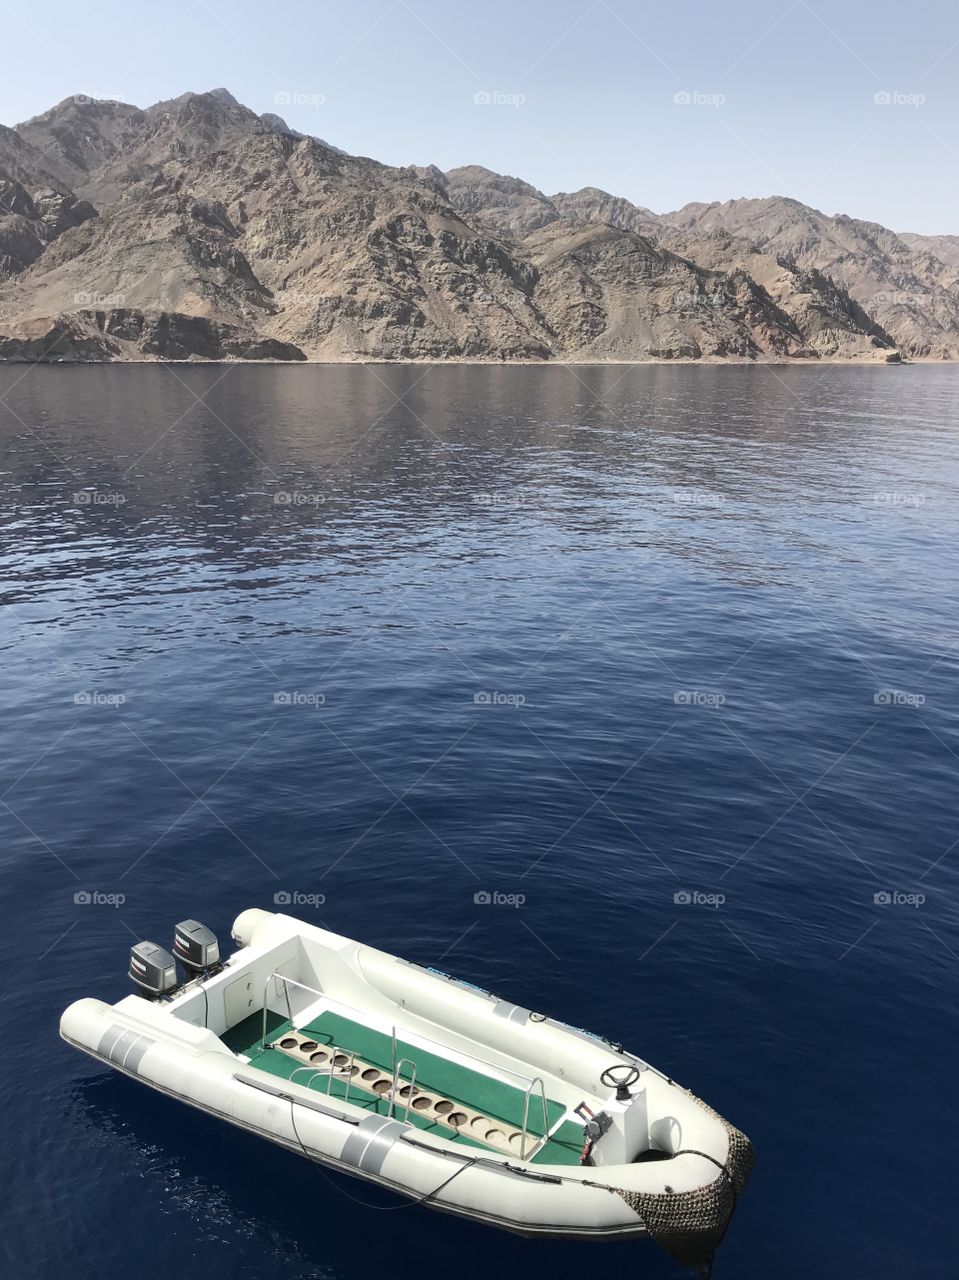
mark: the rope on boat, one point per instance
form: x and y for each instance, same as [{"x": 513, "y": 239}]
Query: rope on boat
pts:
[
  {"x": 383, "y": 1208},
  {"x": 691, "y": 1225}
]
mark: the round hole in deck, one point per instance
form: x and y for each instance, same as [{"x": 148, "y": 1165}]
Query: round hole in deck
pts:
[
  {"x": 321, "y": 1056},
  {"x": 457, "y": 1118},
  {"x": 422, "y": 1102},
  {"x": 494, "y": 1135},
  {"x": 443, "y": 1106},
  {"x": 370, "y": 1073},
  {"x": 340, "y": 1060},
  {"x": 307, "y": 1046},
  {"x": 406, "y": 1091},
  {"x": 516, "y": 1139},
  {"x": 479, "y": 1122},
  {"x": 381, "y": 1086},
  {"x": 288, "y": 1042}
]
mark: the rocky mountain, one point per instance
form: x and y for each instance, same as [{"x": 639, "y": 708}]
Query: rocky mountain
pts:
[
  {"x": 196, "y": 229},
  {"x": 908, "y": 291}
]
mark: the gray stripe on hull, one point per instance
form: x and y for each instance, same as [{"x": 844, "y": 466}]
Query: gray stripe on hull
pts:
[
  {"x": 132, "y": 1060},
  {"x": 368, "y": 1147},
  {"x": 109, "y": 1039},
  {"x": 512, "y": 1012},
  {"x": 124, "y": 1048}
]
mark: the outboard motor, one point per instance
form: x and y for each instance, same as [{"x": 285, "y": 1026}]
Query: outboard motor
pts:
[
  {"x": 196, "y": 947},
  {"x": 153, "y": 970}
]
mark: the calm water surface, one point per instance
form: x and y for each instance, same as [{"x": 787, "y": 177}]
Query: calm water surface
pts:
[{"x": 669, "y": 652}]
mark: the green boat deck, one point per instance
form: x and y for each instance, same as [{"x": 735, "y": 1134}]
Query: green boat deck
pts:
[{"x": 499, "y": 1101}]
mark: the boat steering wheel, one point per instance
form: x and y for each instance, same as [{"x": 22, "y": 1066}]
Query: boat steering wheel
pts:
[{"x": 614, "y": 1078}]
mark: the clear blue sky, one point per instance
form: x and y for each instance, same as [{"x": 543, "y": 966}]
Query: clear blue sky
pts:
[{"x": 583, "y": 91}]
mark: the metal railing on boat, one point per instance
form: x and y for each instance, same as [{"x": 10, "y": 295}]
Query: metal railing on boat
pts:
[
  {"x": 334, "y": 1068},
  {"x": 536, "y": 1080},
  {"x": 287, "y": 983},
  {"x": 410, "y": 1088},
  {"x": 398, "y": 1063}
]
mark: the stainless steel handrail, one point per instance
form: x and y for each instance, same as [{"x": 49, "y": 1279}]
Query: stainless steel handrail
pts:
[
  {"x": 536, "y": 1080},
  {"x": 317, "y": 1071},
  {"x": 287, "y": 983},
  {"x": 412, "y": 1087},
  {"x": 333, "y": 1069},
  {"x": 330, "y": 1071}
]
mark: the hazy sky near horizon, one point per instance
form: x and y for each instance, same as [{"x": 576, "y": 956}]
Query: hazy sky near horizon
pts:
[{"x": 850, "y": 106}]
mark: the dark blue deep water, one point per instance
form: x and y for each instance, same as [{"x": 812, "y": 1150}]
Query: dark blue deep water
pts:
[{"x": 669, "y": 652}]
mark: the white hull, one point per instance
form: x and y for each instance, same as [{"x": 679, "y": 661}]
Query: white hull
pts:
[{"x": 666, "y": 1166}]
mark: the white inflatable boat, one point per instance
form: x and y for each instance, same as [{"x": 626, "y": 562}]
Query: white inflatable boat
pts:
[{"x": 424, "y": 1084}]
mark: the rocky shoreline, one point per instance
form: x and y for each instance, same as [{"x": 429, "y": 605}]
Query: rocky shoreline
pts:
[{"x": 197, "y": 230}]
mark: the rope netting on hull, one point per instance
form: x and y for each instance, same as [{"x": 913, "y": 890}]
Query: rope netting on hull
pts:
[{"x": 690, "y": 1225}]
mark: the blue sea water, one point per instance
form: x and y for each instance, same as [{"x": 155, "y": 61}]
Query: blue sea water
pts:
[{"x": 661, "y": 659}]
